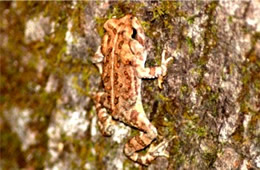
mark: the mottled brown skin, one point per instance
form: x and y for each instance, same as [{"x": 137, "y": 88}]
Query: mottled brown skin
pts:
[{"x": 121, "y": 60}]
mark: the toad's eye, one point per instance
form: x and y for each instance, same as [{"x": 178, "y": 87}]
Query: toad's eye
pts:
[{"x": 134, "y": 33}]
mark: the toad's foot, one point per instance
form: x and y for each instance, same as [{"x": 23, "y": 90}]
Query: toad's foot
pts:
[
  {"x": 160, "y": 149},
  {"x": 164, "y": 68}
]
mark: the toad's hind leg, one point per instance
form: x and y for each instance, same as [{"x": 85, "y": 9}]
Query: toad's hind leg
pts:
[
  {"x": 105, "y": 121},
  {"x": 149, "y": 133}
]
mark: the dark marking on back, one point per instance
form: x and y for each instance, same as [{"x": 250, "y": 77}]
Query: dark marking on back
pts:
[
  {"x": 106, "y": 79},
  {"x": 109, "y": 50},
  {"x": 116, "y": 76},
  {"x": 108, "y": 39},
  {"x": 109, "y": 110},
  {"x": 120, "y": 44},
  {"x": 110, "y": 27},
  {"x": 129, "y": 87},
  {"x": 120, "y": 24},
  {"x": 116, "y": 100},
  {"x": 121, "y": 32},
  {"x": 126, "y": 89},
  {"x": 128, "y": 78},
  {"x": 109, "y": 98},
  {"x": 128, "y": 62},
  {"x": 107, "y": 57},
  {"x": 114, "y": 31},
  {"x": 118, "y": 64},
  {"x": 116, "y": 54}
]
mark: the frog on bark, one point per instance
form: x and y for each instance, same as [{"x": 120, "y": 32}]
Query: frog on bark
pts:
[{"x": 121, "y": 62}]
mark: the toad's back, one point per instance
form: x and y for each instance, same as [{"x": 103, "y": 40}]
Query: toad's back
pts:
[{"x": 119, "y": 75}]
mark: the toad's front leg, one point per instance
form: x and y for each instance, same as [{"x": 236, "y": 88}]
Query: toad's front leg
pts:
[
  {"x": 139, "y": 120},
  {"x": 152, "y": 72}
]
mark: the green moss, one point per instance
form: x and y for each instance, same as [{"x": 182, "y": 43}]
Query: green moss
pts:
[
  {"x": 237, "y": 136},
  {"x": 128, "y": 164},
  {"x": 190, "y": 45},
  {"x": 165, "y": 9},
  {"x": 253, "y": 126},
  {"x": 10, "y": 143},
  {"x": 250, "y": 77},
  {"x": 210, "y": 158},
  {"x": 230, "y": 19}
]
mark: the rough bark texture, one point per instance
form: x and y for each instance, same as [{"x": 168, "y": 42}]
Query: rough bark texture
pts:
[{"x": 210, "y": 97}]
